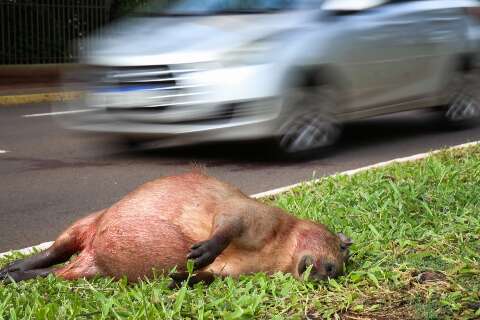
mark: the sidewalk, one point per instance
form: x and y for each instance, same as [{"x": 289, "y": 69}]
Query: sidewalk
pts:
[{"x": 33, "y": 84}]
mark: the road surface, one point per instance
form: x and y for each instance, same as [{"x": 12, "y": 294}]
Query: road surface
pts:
[{"x": 50, "y": 176}]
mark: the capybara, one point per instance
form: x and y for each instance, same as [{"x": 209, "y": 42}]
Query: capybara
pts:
[{"x": 165, "y": 222}]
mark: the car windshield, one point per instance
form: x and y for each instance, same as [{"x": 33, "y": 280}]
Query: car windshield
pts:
[{"x": 207, "y": 7}]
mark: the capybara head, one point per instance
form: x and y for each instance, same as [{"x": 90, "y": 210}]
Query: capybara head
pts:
[{"x": 321, "y": 251}]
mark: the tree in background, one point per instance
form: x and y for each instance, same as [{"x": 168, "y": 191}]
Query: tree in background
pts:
[{"x": 119, "y": 8}]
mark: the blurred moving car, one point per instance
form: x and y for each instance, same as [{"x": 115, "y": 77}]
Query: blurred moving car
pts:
[{"x": 291, "y": 70}]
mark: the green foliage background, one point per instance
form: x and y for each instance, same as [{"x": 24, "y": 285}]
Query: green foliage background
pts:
[{"x": 43, "y": 31}]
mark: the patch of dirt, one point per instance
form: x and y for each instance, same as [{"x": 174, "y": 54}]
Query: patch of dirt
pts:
[
  {"x": 401, "y": 313},
  {"x": 428, "y": 276}
]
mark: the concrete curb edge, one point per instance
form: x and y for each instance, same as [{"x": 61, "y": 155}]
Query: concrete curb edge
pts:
[{"x": 354, "y": 171}]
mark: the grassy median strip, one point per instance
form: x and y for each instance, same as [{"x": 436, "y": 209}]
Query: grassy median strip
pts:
[{"x": 416, "y": 256}]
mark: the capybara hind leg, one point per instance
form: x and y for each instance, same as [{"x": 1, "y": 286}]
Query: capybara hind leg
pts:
[
  {"x": 57, "y": 253},
  {"x": 68, "y": 243},
  {"x": 83, "y": 266}
]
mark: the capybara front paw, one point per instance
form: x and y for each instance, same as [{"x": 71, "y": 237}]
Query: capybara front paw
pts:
[{"x": 203, "y": 253}]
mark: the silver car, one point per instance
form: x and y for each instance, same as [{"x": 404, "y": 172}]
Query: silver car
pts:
[{"x": 290, "y": 70}]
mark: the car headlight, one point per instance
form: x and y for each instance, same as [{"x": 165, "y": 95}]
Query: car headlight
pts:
[{"x": 255, "y": 52}]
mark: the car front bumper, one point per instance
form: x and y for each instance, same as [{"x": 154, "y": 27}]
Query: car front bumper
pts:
[{"x": 214, "y": 105}]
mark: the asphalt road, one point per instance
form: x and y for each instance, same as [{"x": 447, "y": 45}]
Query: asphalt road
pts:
[{"x": 49, "y": 176}]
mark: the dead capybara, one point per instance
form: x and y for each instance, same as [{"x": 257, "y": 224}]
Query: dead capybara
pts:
[{"x": 163, "y": 223}]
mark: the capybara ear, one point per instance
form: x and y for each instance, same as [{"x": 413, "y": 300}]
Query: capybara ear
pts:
[
  {"x": 304, "y": 263},
  {"x": 346, "y": 241}
]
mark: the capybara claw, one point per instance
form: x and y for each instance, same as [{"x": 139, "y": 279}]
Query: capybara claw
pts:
[
  {"x": 179, "y": 278},
  {"x": 203, "y": 254},
  {"x": 174, "y": 285},
  {"x": 11, "y": 276},
  {"x": 6, "y": 271}
]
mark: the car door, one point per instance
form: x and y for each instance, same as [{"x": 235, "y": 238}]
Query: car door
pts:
[
  {"x": 386, "y": 56},
  {"x": 444, "y": 37}
]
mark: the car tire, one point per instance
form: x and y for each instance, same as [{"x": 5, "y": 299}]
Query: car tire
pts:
[
  {"x": 463, "y": 100},
  {"x": 308, "y": 125}
]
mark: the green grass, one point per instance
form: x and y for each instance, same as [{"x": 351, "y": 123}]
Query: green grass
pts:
[{"x": 405, "y": 219}]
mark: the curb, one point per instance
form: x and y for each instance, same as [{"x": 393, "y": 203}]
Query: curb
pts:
[
  {"x": 276, "y": 191},
  {"x": 10, "y": 100},
  {"x": 354, "y": 171},
  {"x": 28, "y": 250}
]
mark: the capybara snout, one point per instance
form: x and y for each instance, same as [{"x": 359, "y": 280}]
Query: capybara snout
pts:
[
  {"x": 161, "y": 223},
  {"x": 322, "y": 253}
]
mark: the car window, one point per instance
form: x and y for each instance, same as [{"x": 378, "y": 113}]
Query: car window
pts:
[
  {"x": 351, "y": 6},
  {"x": 196, "y": 7},
  {"x": 403, "y": 1}
]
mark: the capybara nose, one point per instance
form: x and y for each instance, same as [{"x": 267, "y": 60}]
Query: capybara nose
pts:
[{"x": 329, "y": 269}]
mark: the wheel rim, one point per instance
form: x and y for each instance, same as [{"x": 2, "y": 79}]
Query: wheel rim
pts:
[
  {"x": 463, "y": 107},
  {"x": 463, "y": 102},
  {"x": 308, "y": 133},
  {"x": 312, "y": 126}
]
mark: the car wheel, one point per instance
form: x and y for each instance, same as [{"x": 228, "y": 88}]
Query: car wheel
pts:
[
  {"x": 309, "y": 125},
  {"x": 463, "y": 103}
]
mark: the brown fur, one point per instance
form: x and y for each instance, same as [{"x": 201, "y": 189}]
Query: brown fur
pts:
[{"x": 154, "y": 227}]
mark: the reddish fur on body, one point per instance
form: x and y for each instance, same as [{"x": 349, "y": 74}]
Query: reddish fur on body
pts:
[{"x": 153, "y": 228}]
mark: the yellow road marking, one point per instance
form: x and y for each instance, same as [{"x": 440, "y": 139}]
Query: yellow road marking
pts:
[{"x": 38, "y": 97}]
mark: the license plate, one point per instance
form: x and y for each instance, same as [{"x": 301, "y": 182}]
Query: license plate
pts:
[
  {"x": 120, "y": 89},
  {"x": 121, "y": 97}
]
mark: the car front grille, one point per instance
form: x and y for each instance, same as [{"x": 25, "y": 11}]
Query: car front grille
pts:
[
  {"x": 160, "y": 75},
  {"x": 166, "y": 86}
]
